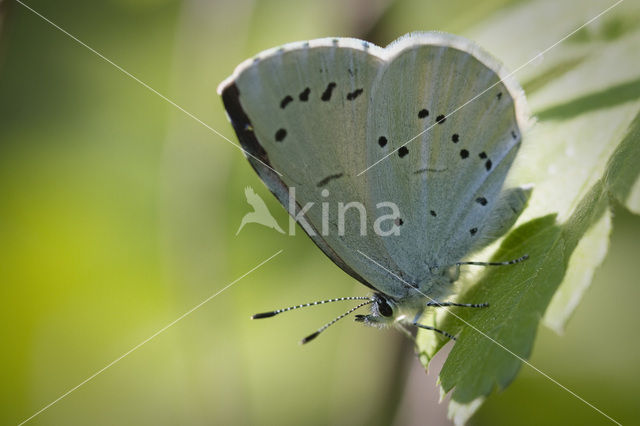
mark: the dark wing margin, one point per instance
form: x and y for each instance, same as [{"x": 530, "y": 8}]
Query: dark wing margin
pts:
[{"x": 244, "y": 130}]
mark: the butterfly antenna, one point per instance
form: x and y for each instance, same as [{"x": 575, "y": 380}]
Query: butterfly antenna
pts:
[
  {"x": 508, "y": 262},
  {"x": 329, "y": 324},
  {"x": 320, "y": 302}
]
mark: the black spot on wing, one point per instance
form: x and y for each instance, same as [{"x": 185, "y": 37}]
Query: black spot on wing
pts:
[
  {"x": 326, "y": 95},
  {"x": 464, "y": 153},
  {"x": 482, "y": 201},
  {"x": 488, "y": 164},
  {"x": 423, "y": 113},
  {"x": 382, "y": 141},
  {"x": 304, "y": 95},
  {"x": 432, "y": 213},
  {"x": 473, "y": 231},
  {"x": 429, "y": 169},
  {"x": 285, "y": 101},
  {"x": 482, "y": 155},
  {"x": 441, "y": 119},
  {"x": 328, "y": 179},
  {"x": 399, "y": 221},
  {"x": 403, "y": 151},
  {"x": 499, "y": 95},
  {"x": 351, "y": 96},
  {"x": 455, "y": 138},
  {"x": 513, "y": 134},
  {"x": 280, "y": 135}
]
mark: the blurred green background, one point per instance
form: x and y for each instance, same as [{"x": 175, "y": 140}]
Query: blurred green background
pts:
[{"x": 118, "y": 214}]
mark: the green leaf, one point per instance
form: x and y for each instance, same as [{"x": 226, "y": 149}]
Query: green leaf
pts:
[
  {"x": 486, "y": 354},
  {"x": 581, "y": 156},
  {"x": 588, "y": 254}
]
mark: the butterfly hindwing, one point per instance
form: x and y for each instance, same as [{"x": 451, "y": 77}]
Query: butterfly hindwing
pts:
[{"x": 451, "y": 174}]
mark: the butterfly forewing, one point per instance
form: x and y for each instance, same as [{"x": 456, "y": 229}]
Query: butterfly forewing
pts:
[{"x": 306, "y": 106}]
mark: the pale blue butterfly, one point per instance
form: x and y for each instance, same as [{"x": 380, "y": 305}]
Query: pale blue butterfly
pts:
[{"x": 430, "y": 124}]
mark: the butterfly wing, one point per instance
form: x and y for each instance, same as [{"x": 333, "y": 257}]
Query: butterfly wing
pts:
[
  {"x": 300, "y": 111},
  {"x": 312, "y": 116},
  {"x": 446, "y": 96}
]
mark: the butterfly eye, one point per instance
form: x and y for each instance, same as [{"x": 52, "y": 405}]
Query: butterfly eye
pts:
[{"x": 384, "y": 308}]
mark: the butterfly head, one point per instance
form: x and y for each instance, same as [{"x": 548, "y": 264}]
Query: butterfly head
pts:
[
  {"x": 384, "y": 311},
  {"x": 387, "y": 310}
]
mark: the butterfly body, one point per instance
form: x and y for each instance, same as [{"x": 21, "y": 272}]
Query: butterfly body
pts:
[{"x": 343, "y": 121}]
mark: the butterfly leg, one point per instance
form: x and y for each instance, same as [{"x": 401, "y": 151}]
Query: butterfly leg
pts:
[
  {"x": 411, "y": 336},
  {"x": 464, "y": 305},
  {"x": 428, "y": 327},
  {"x": 437, "y": 330},
  {"x": 406, "y": 332}
]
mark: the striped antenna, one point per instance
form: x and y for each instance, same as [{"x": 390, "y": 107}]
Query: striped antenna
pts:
[
  {"x": 329, "y": 324},
  {"x": 508, "y": 262},
  {"x": 320, "y": 302}
]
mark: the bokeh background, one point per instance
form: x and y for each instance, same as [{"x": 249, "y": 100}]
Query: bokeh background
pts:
[{"x": 118, "y": 213}]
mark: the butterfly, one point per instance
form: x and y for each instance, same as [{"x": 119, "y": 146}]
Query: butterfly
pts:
[{"x": 427, "y": 127}]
